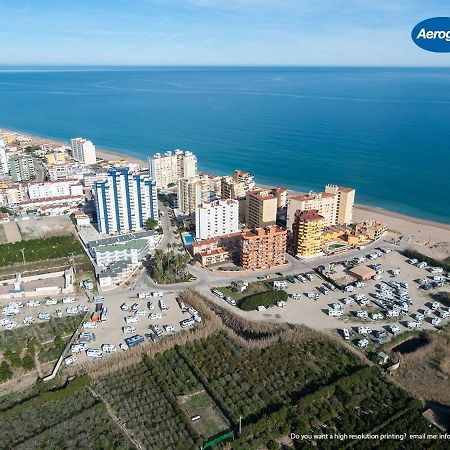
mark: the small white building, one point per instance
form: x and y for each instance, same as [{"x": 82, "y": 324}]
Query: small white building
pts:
[
  {"x": 81, "y": 218},
  {"x": 239, "y": 285}
]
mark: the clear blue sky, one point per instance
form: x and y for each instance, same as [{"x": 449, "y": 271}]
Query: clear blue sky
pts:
[{"x": 216, "y": 32}]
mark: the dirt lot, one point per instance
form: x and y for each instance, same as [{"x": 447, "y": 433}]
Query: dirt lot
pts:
[
  {"x": 38, "y": 227},
  {"x": 314, "y": 313},
  {"x": 12, "y": 233},
  {"x": 426, "y": 372}
]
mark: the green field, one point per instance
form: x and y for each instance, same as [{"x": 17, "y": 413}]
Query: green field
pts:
[
  {"x": 259, "y": 293},
  {"x": 211, "y": 419},
  {"x": 39, "y": 249}
]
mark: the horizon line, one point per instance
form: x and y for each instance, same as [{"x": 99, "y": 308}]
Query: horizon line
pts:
[{"x": 87, "y": 65}]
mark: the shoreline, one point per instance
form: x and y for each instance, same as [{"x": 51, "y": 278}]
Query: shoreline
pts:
[{"x": 423, "y": 230}]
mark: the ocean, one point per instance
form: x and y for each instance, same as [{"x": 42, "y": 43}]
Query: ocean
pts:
[{"x": 384, "y": 131}]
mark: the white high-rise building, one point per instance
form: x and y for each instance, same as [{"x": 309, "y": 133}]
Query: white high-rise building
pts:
[
  {"x": 83, "y": 151},
  {"x": 217, "y": 218},
  {"x": 124, "y": 201},
  {"x": 3, "y": 158},
  {"x": 169, "y": 167}
]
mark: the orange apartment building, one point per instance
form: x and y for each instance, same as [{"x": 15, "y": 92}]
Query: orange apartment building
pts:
[{"x": 261, "y": 248}]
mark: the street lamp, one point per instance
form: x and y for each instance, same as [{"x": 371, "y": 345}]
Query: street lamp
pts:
[{"x": 22, "y": 250}]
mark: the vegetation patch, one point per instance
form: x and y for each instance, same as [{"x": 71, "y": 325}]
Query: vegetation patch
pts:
[
  {"x": 18, "y": 347},
  {"x": 141, "y": 397},
  {"x": 170, "y": 266},
  {"x": 253, "y": 288},
  {"x": 363, "y": 402},
  {"x": 39, "y": 249},
  {"x": 267, "y": 298}
]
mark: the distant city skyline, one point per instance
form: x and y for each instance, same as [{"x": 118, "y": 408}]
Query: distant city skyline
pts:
[{"x": 216, "y": 32}]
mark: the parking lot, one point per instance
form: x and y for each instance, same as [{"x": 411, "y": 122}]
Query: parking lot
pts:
[
  {"x": 22, "y": 312},
  {"x": 336, "y": 310},
  {"x": 130, "y": 316}
]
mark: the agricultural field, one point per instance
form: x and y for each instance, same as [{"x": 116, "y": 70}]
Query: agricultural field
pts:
[
  {"x": 254, "y": 382},
  {"x": 346, "y": 406},
  {"x": 46, "y": 340},
  {"x": 70, "y": 417},
  {"x": 297, "y": 382},
  {"x": 141, "y": 397},
  {"x": 39, "y": 249}
]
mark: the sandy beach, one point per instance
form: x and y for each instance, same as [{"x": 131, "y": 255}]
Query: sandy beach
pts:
[{"x": 432, "y": 238}]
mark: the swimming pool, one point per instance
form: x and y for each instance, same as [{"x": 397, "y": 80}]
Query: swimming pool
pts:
[{"x": 188, "y": 239}]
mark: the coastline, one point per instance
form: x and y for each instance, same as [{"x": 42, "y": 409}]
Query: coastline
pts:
[{"x": 424, "y": 232}]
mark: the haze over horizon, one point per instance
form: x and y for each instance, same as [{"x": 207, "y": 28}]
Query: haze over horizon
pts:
[{"x": 216, "y": 32}]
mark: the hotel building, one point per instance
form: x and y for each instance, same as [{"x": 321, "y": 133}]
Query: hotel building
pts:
[
  {"x": 83, "y": 151},
  {"x": 262, "y": 248},
  {"x": 124, "y": 201},
  {"x": 217, "y": 218},
  {"x": 261, "y": 209},
  {"x": 169, "y": 167},
  {"x": 308, "y": 232}
]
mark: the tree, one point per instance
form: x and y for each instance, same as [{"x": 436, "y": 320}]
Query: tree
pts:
[
  {"x": 5, "y": 371},
  {"x": 27, "y": 362},
  {"x": 273, "y": 445},
  {"x": 151, "y": 224}
]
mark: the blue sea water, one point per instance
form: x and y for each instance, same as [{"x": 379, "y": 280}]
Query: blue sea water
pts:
[{"x": 385, "y": 131}]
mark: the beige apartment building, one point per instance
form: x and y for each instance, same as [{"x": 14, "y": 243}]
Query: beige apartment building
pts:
[
  {"x": 261, "y": 209},
  {"x": 193, "y": 191},
  {"x": 335, "y": 205},
  {"x": 345, "y": 201},
  {"x": 167, "y": 168},
  {"x": 308, "y": 232}
]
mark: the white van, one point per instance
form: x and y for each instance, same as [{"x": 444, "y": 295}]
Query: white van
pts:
[
  {"x": 231, "y": 301},
  {"x": 70, "y": 360},
  {"x": 94, "y": 353},
  {"x": 109, "y": 348},
  {"x": 131, "y": 319}
]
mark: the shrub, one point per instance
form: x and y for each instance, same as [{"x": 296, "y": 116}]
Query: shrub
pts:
[{"x": 267, "y": 298}]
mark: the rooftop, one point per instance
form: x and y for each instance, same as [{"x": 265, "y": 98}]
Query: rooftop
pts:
[
  {"x": 308, "y": 215},
  {"x": 122, "y": 238},
  {"x": 135, "y": 244}
]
